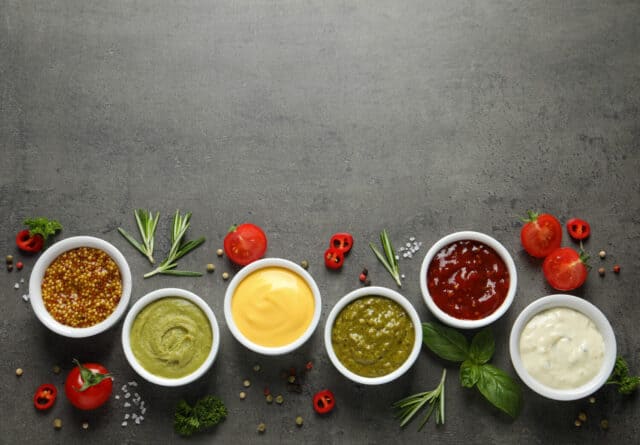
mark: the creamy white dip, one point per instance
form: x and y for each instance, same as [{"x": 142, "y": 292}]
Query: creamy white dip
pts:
[{"x": 561, "y": 348}]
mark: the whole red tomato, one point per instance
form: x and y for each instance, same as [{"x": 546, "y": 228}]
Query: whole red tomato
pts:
[
  {"x": 245, "y": 243},
  {"x": 88, "y": 386},
  {"x": 541, "y": 234},
  {"x": 565, "y": 269}
]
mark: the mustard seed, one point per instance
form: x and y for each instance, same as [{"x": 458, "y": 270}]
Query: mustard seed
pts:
[
  {"x": 246, "y": 383},
  {"x": 279, "y": 399},
  {"x": 210, "y": 268},
  {"x": 269, "y": 398},
  {"x": 602, "y": 254},
  {"x": 57, "y": 423},
  {"x": 225, "y": 275},
  {"x": 582, "y": 416},
  {"x": 262, "y": 428},
  {"x": 219, "y": 252},
  {"x": 243, "y": 395},
  {"x": 19, "y": 372},
  {"x": 299, "y": 421},
  {"x": 304, "y": 264}
]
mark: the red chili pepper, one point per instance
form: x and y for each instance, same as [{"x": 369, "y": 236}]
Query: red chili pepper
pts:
[
  {"x": 309, "y": 366},
  {"x": 333, "y": 258},
  {"x": 342, "y": 241},
  {"x": 45, "y": 396},
  {"x": 29, "y": 243},
  {"x": 578, "y": 228},
  {"x": 323, "y": 401}
]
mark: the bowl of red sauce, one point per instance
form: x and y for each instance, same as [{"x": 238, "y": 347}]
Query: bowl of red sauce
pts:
[{"x": 468, "y": 279}]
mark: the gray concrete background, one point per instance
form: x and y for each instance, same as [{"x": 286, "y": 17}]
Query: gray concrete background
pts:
[{"x": 307, "y": 118}]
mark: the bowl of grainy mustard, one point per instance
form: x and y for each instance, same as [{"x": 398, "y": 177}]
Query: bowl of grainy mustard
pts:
[{"x": 80, "y": 286}]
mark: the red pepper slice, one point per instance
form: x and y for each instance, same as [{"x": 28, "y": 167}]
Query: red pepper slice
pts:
[
  {"x": 323, "y": 401},
  {"x": 578, "y": 228},
  {"x": 333, "y": 258},
  {"x": 29, "y": 243},
  {"x": 342, "y": 241},
  {"x": 45, "y": 396}
]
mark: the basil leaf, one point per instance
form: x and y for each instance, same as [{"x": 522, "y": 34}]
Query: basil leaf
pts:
[
  {"x": 469, "y": 374},
  {"x": 445, "y": 342},
  {"x": 482, "y": 347},
  {"x": 500, "y": 389}
]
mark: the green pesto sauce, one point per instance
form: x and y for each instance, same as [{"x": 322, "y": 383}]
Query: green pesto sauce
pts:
[
  {"x": 171, "y": 337},
  {"x": 373, "y": 336}
]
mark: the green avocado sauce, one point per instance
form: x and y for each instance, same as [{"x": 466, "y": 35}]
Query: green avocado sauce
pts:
[
  {"x": 373, "y": 336},
  {"x": 171, "y": 337}
]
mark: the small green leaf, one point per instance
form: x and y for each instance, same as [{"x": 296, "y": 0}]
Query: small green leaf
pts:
[
  {"x": 445, "y": 342},
  {"x": 500, "y": 389},
  {"x": 469, "y": 374},
  {"x": 483, "y": 346}
]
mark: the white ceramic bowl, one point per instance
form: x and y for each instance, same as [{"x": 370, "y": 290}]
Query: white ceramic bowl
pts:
[
  {"x": 378, "y": 292},
  {"x": 143, "y": 303},
  {"x": 591, "y": 312},
  {"x": 499, "y": 249},
  {"x": 261, "y": 264},
  {"x": 53, "y": 252}
]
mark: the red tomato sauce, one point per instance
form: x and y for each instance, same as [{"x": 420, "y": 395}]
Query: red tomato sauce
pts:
[{"x": 468, "y": 280}]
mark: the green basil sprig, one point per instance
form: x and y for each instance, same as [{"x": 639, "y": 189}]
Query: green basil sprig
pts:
[{"x": 493, "y": 383}]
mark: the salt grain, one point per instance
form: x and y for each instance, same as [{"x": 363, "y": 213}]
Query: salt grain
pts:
[
  {"x": 117, "y": 396},
  {"x": 126, "y": 416},
  {"x": 127, "y": 395},
  {"x": 25, "y": 297},
  {"x": 127, "y": 404},
  {"x": 124, "y": 423},
  {"x": 16, "y": 286}
]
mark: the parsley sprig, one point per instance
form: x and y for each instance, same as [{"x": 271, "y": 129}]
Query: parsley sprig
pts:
[
  {"x": 409, "y": 406},
  {"x": 207, "y": 412},
  {"x": 620, "y": 376}
]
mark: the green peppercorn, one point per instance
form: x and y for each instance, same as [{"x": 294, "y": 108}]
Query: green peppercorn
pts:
[
  {"x": 243, "y": 395},
  {"x": 262, "y": 428},
  {"x": 246, "y": 383},
  {"x": 604, "y": 424},
  {"x": 57, "y": 423},
  {"x": 291, "y": 379},
  {"x": 256, "y": 367},
  {"x": 225, "y": 275},
  {"x": 304, "y": 264},
  {"x": 279, "y": 399},
  {"x": 9, "y": 259},
  {"x": 299, "y": 421},
  {"x": 56, "y": 369},
  {"x": 269, "y": 398},
  {"x": 211, "y": 268},
  {"x": 582, "y": 416}
]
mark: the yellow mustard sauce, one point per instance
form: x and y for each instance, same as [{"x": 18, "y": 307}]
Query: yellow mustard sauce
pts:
[{"x": 273, "y": 306}]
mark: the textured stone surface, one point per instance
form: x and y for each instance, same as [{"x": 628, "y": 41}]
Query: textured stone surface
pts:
[{"x": 309, "y": 118}]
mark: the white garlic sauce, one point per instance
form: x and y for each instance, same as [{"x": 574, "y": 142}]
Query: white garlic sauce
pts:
[{"x": 562, "y": 348}]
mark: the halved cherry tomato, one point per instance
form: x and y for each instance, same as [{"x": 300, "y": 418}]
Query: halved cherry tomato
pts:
[
  {"x": 88, "y": 386},
  {"x": 565, "y": 268},
  {"x": 342, "y": 241},
  {"x": 245, "y": 243},
  {"x": 45, "y": 396},
  {"x": 333, "y": 258},
  {"x": 323, "y": 401},
  {"x": 29, "y": 243},
  {"x": 578, "y": 228},
  {"x": 541, "y": 234}
]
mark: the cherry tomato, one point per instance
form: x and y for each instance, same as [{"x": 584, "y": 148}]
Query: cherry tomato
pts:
[
  {"x": 245, "y": 243},
  {"x": 29, "y": 243},
  {"x": 541, "y": 234},
  {"x": 565, "y": 268},
  {"x": 88, "y": 386},
  {"x": 342, "y": 241},
  {"x": 578, "y": 228},
  {"x": 45, "y": 396},
  {"x": 323, "y": 401},
  {"x": 333, "y": 258}
]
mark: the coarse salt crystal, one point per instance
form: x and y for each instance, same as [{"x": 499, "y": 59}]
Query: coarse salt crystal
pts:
[
  {"x": 137, "y": 421},
  {"x": 127, "y": 404},
  {"x": 412, "y": 238},
  {"x": 22, "y": 280},
  {"x": 124, "y": 423},
  {"x": 124, "y": 388},
  {"x": 126, "y": 416},
  {"x": 127, "y": 395},
  {"x": 16, "y": 286},
  {"x": 117, "y": 396},
  {"x": 143, "y": 410},
  {"x": 25, "y": 297}
]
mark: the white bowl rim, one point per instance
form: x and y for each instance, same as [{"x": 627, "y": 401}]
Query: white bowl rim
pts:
[
  {"x": 375, "y": 291},
  {"x": 261, "y": 264},
  {"x": 149, "y": 298},
  {"x": 591, "y": 312},
  {"x": 499, "y": 249},
  {"x": 45, "y": 260}
]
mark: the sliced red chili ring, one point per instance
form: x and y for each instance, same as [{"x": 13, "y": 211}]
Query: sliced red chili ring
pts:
[
  {"x": 333, "y": 258},
  {"x": 342, "y": 241},
  {"x": 29, "y": 243},
  {"x": 578, "y": 228},
  {"x": 45, "y": 396},
  {"x": 323, "y": 401}
]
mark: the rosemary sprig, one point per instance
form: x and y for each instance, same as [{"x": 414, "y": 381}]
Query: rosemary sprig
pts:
[
  {"x": 178, "y": 249},
  {"x": 390, "y": 262},
  {"x": 147, "y": 226},
  {"x": 409, "y": 406}
]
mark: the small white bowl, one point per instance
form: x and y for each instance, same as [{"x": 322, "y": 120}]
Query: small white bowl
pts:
[
  {"x": 143, "y": 303},
  {"x": 45, "y": 260},
  {"x": 499, "y": 249},
  {"x": 377, "y": 292},
  {"x": 262, "y": 264},
  {"x": 591, "y": 312}
]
